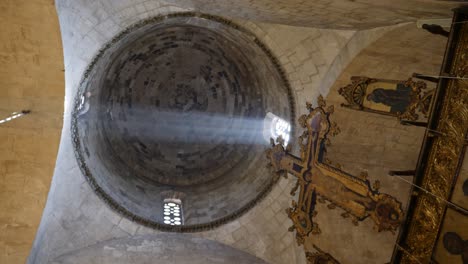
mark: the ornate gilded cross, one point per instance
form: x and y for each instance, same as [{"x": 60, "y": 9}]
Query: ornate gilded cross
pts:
[{"x": 317, "y": 178}]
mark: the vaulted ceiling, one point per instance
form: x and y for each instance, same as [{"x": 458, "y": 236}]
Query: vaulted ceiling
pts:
[{"x": 315, "y": 44}]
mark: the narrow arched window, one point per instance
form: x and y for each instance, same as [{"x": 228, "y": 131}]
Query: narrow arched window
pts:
[{"x": 275, "y": 126}]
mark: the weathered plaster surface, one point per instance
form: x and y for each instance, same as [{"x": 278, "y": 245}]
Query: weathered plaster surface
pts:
[{"x": 31, "y": 77}]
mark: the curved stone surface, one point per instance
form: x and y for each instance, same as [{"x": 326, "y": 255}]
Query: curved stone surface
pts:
[
  {"x": 331, "y": 14},
  {"x": 76, "y": 215},
  {"x": 174, "y": 108},
  {"x": 338, "y": 14},
  {"x": 161, "y": 249}
]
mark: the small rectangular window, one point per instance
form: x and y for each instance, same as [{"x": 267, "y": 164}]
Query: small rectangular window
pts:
[{"x": 173, "y": 213}]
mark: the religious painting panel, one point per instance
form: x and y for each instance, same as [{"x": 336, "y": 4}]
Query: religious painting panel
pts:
[
  {"x": 389, "y": 97},
  {"x": 460, "y": 190},
  {"x": 402, "y": 99},
  {"x": 452, "y": 243}
]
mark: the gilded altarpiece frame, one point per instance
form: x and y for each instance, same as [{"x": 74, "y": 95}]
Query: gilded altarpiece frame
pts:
[{"x": 432, "y": 211}]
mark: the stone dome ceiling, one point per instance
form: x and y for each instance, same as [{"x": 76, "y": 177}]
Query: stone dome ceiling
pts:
[{"x": 174, "y": 107}]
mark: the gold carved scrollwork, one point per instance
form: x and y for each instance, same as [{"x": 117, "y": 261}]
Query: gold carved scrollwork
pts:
[
  {"x": 443, "y": 161},
  {"x": 302, "y": 223},
  {"x": 320, "y": 257},
  {"x": 318, "y": 180},
  {"x": 387, "y": 213}
]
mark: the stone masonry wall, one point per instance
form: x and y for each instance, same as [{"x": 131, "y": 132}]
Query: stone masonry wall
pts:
[
  {"x": 339, "y": 14},
  {"x": 148, "y": 248},
  {"x": 75, "y": 215}
]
